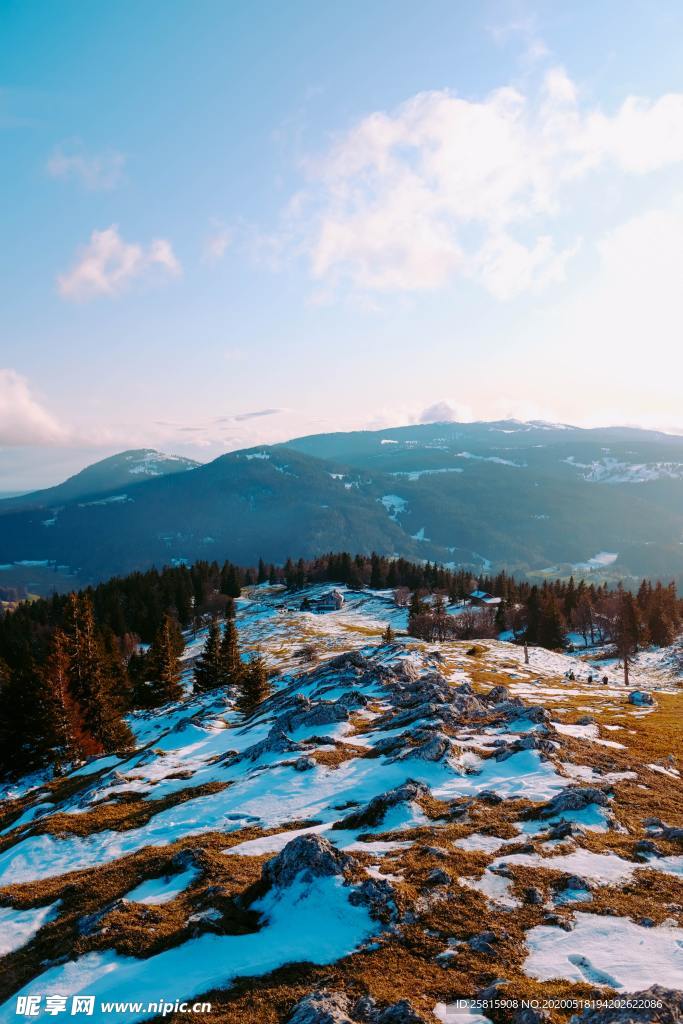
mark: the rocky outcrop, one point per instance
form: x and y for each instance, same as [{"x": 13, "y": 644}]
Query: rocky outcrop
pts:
[
  {"x": 669, "y": 1010},
  {"x": 337, "y": 1008},
  {"x": 379, "y": 897},
  {"x": 498, "y": 694},
  {"x": 374, "y": 812},
  {"x": 324, "y": 712},
  {"x": 436, "y": 748},
  {"x": 305, "y": 858},
  {"x": 322, "y": 1008},
  {"x": 276, "y": 742},
  {"x": 573, "y": 799},
  {"x": 531, "y": 741}
]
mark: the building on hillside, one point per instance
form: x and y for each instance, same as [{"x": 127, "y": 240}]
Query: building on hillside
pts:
[
  {"x": 481, "y": 598},
  {"x": 332, "y": 601}
]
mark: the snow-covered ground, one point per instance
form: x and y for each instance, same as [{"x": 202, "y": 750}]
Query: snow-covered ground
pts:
[{"x": 351, "y": 722}]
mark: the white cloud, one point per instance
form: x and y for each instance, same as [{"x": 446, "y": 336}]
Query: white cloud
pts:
[
  {"x": 216, "y": 245},
  {"x": 23, "y": 420},
  {"x": 96, "y": 171},
  {"x": 442, "y": 186},
  {"x": 108, "y": 264},
  {"x": 446, "y": 412}
]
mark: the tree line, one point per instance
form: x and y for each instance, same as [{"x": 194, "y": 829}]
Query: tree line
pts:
[{"x": 72, "y": 666}]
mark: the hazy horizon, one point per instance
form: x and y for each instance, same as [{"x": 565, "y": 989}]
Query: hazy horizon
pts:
[{"x": 75, "y": 460}]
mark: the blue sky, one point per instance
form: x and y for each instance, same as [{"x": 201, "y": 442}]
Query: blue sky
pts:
[{"x": 232, "y": 223}]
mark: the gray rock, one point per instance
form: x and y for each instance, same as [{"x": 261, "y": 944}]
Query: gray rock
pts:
[
  {"x": 323, "y": 713},
  {"x": 438, "y": 877},
  {"x": 670, "y": 1012},
  {"x": 373, "y": 813},
  {"x": 645, "y": 847},
  {"x": 435, "y": 749},
  {"x": 483, "y": 943},
  {"x": 533, "y": 895},
  {"x": 400, "y": 1013},
  {"x": 378, "y": 896},
  {"x": 640, "y": 698},
  {"x": 352, "y": 659},
  {"x": 573, "y": 799},
  {"x": 322, "y": 1008},
  {"x": 353, "y": 699},
  {"x": 563, "y": 830},
  {"x": 276, "y": 742},
  {"x": 498, "y": 694},
  {"x": 570, "y": 882},
  {"x": 309, "y": 856},
  {"x": 304, "y": 764},
  {"x": 489, "y": 796}
]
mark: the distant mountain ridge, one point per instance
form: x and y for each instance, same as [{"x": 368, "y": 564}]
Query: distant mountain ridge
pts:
[
  {"x": 122, "y": 470},
  {"x": 529, "y": 497}
]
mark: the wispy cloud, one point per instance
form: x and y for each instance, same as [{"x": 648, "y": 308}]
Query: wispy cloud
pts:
[
  {"x": 23, "y": 419},
  {"x": 445, "y": 187},
  {"x": 95, "y": 171},
  {"x": 216, "y": 244},
  {"x": 108, "y": 265},
  {"x": 242, "y": 416}
]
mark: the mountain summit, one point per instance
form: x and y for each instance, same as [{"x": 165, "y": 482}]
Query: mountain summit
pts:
[{"x": 534, "y": 498}]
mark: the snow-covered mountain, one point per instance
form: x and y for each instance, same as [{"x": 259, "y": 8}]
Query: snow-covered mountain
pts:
[
  {"x": 397, "y": 828},
  {"x": 124, "y": 470},
  {"x": 528, "y": 497}
]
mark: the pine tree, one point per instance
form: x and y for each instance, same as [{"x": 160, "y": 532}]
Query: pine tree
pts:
[
  {"x": 551, "y": 632},
  {"x": 231, "y": 668},
  {"x": 90, "y": 680},
  {"x": 262, "y": 573},
  {"x": 164, "y": 664},
  {"x": 254, "y": 686},
  {"x": 388, "y": 636},
  {"x": 25, "y": 721},
  {"x": 627, "y": 630},
  {"x": 207, "y": 672},
  {"x": 69, "y": 740}
]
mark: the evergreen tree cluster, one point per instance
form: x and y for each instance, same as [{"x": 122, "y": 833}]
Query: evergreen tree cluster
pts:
[{"x": 72, "y": 665}]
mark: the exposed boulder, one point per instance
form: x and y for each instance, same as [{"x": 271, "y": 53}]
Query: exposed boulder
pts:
[
  {"x": 308, "y": 857},
  {"x": 436, "y": 748},
  {"x": 531, "y": 741},
  {"x": 373, "y": 813},
  {"x": 379, "y": 897},
  {"x": 640, "y": 698},
  {"x": 322, "y": 1008},
  {"x": 400, "y": 1013},
  {"x": 669, "y": 1010},
  {"x": 351, "y": 659},
  {"x": 326, "y": 1007},
  {"x": 406, "y": 670},
  {"x": 304, "y": 764},
  {"x": 276, "y": 742},
  {"x": 572, "y": 799},
  {"x": 498, "y": 694},
  {"x": 353, "y": 699},
  {"x": 324, "y": 712},
  {"x": 438, "y": 877},
  {"x": 483, "y": 943}
]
